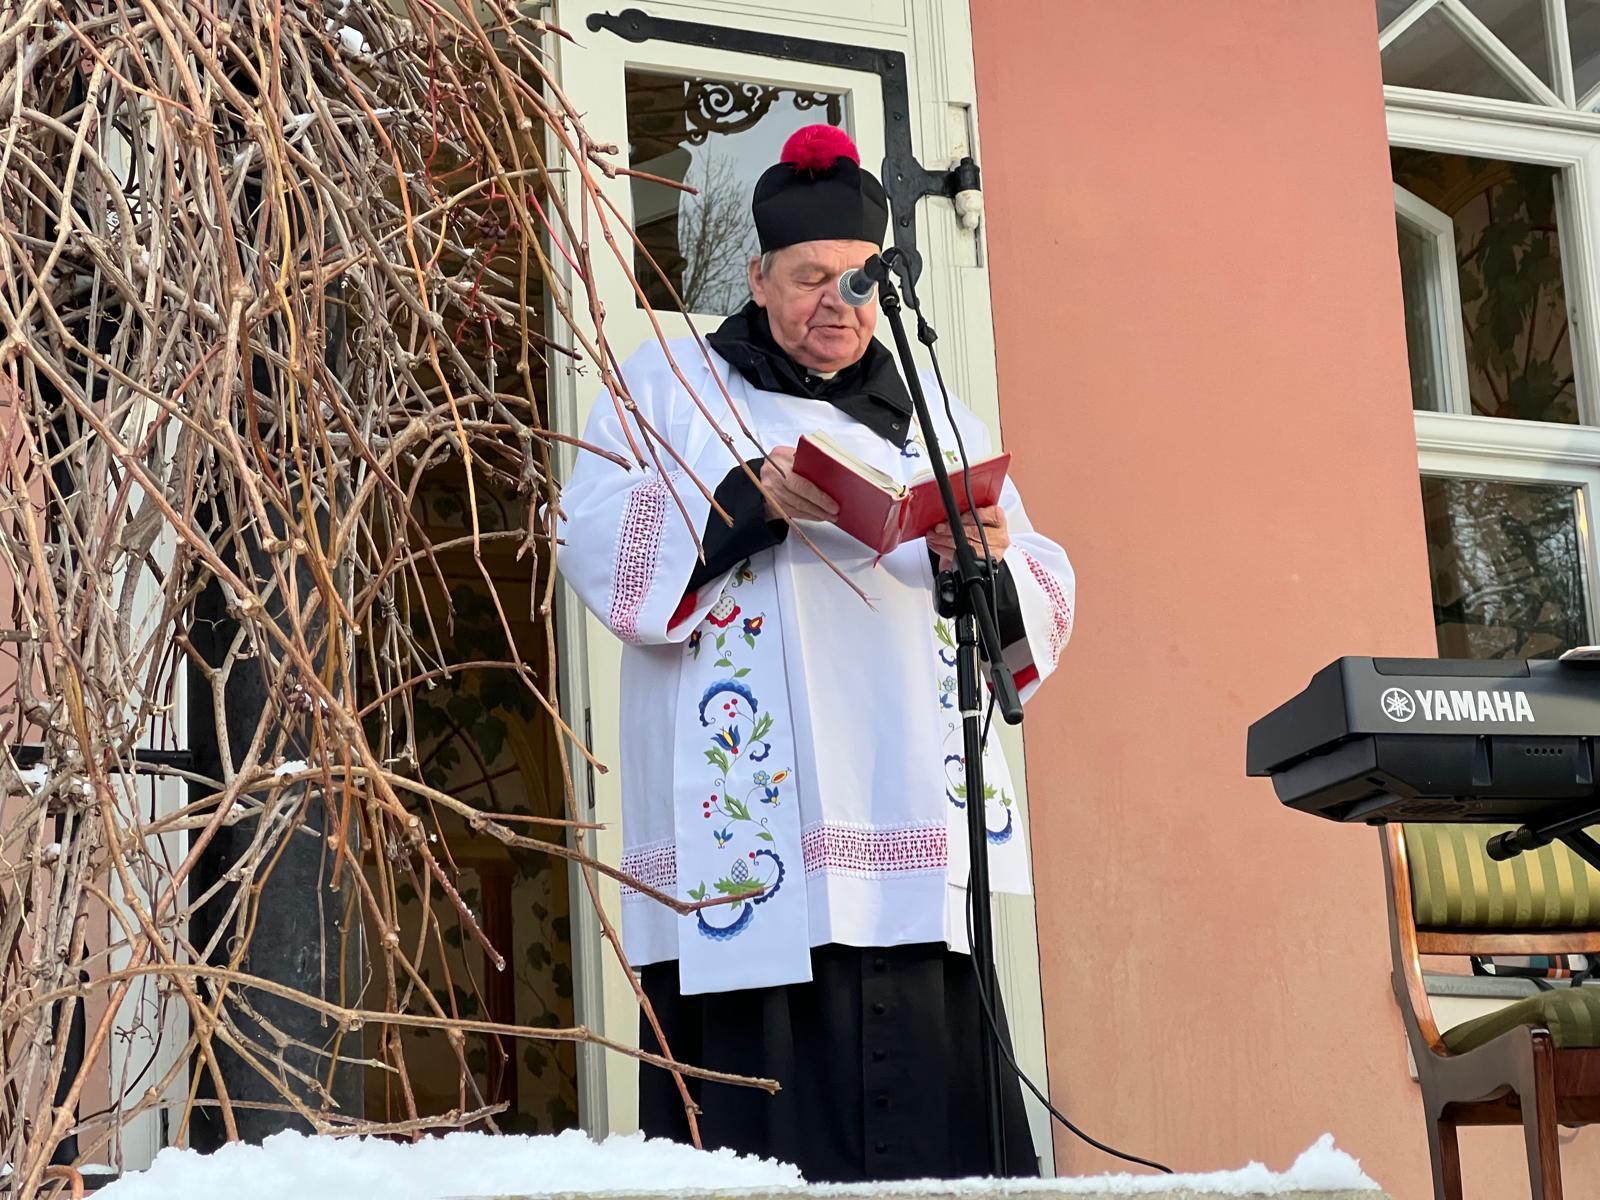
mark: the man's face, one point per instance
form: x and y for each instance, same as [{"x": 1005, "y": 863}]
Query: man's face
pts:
[{"x": 801, "y": 295}]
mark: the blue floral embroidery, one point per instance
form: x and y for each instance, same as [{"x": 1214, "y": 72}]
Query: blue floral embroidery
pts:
[
  {"x": 738, "y": 732},
  {"x": 747, "y": 909},
  {"x": 726, "y": 685}
]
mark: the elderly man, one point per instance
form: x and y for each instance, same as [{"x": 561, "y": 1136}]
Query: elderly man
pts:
[{"x": 790, "y": 736}]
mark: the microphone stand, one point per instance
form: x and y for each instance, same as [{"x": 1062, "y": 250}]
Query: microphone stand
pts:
[{"x": 964, "y": 594}]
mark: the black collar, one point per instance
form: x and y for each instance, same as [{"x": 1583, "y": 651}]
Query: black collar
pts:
[{"x": 870, "y": 390}]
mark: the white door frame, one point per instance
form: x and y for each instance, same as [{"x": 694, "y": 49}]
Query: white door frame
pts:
[{"x": 935, "y": 38}]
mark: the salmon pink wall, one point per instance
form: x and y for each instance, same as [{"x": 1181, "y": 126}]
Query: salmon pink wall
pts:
[{"x": 1203, "y": 378}]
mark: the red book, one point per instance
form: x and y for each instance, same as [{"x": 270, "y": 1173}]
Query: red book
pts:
[{"x": 878, "y": 510}]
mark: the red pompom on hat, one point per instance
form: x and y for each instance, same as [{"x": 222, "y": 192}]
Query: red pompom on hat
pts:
[{"x": 818, "y": 148}]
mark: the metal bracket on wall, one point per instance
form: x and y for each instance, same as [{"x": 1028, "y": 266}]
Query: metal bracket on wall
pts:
[{"x": 904, "y": 178}]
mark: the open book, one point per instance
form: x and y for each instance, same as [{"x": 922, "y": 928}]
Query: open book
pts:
[{"x": 876, "y": 509}]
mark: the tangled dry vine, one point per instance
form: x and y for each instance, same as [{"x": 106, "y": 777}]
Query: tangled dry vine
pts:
[{"x": 267, "y": 274}]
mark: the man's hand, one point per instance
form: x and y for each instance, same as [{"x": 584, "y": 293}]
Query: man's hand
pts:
[
  {"x": 995, "y": 531},
  {"x": 800, "y": 499}
]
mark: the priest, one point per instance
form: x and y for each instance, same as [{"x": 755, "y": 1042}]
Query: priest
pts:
[{"x": 790, "y": 733}]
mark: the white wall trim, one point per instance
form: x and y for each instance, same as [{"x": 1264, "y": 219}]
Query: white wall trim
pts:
[
  {"x": 1562, "y": 448},
  {"x": 1516, "y": 112}
]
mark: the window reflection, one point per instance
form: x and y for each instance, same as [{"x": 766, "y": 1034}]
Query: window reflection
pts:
[
  {"x": 717, "y": 136},
  {"x": 1507, "y": 567},
  {"x": 1513, "y": 290}
]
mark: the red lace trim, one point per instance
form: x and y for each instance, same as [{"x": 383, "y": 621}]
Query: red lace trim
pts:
[
  {"x": 638, "y": 544},
  {"x": 858, "y": 850},
  {"x": 1060, "y": 609},
  {"x": 865, "y": 851},
  {"x": 654, "y": 866}
]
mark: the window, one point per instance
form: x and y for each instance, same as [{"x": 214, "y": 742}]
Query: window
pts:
[
  {"x": 1507, "y": 566},
  {"x": 1494, "y": 122},
  {"x": 1496, "y": 49},
  {"x": 1480, "y": 258}
]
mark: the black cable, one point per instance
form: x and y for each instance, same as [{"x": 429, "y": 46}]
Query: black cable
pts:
[
  {"x": 926, "y": 336},
  {"x": 1011, "y": 1061}
]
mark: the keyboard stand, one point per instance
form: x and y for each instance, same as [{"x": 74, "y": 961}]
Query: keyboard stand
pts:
[{"x": 1569, "y": 830}]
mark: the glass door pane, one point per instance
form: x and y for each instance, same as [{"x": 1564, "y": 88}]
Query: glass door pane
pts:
[
  {"x": 717, "y": 136},
  {"x": 1507, "y": 565}
]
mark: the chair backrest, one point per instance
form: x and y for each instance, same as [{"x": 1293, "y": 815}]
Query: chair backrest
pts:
[
  {"x": 1483, "y": 906},
  {"x": 1447, "y": 896}
]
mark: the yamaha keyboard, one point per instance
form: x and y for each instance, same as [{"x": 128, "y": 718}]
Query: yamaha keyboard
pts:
[{"x": 1419, "y": 739}]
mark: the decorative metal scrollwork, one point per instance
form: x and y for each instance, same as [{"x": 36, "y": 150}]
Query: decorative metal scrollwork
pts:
[
  {"x": 904, "y": 178},
  {"x": 723, "y": 106}
]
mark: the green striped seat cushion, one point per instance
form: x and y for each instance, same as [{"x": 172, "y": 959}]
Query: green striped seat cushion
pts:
[
  {"x": 1456, "y": 885},
  {"x": 1572, "y": 1015}
]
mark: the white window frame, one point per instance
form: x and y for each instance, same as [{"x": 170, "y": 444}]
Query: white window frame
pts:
[
  {"x": 1446, "y": 328},
  {"x": 1516, "y": 72},
  {"x": 1457, "y": 443},
  {"x": 1576, "y": 157},
  {"x": 1455, "y": 451},
  {"x": 1481, "y": 38}
]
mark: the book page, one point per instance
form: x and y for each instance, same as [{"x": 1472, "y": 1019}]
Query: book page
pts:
[
  {"x": 953, "y": 466},
  {"x": 872, "y": 474}
]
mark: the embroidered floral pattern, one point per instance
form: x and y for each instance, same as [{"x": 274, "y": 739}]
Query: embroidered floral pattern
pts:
[
  {"x": 638, "y": 544},
  {"x": 736, "y": 796},
  {"x": 955, "y": 764},
  {"x": 723, "y": 612}
]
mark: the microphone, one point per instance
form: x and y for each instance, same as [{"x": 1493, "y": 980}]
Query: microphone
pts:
[{"x": 858, "y": 285}]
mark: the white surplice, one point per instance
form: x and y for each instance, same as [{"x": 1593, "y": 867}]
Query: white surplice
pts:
[{"x": 787, "y": 735}]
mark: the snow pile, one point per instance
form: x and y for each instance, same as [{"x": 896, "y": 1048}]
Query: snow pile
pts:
[
  {"x": 1322, "y": 1168},
  {"x": 293, "y": 1166},
  {"x": 476, "y": 1164}
]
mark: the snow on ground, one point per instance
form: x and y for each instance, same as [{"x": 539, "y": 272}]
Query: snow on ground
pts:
[
  {"x": 1322, "y": 1168},
  {"x": 290, "y": 1165}
]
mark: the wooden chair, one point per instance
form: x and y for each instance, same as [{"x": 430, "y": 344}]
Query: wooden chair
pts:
[{"x": 1536, "y": 1062}]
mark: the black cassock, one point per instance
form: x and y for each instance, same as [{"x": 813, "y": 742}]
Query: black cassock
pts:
[{"x": 879, "y": 1057}]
